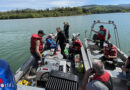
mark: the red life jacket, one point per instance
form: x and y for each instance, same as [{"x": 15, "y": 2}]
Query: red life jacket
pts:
[
  {"x": 100, "y": 35},
  {"x": 34, "y": 38},
  {"x": 111, "y": 52},
  {"x": 77, "y": 45},
  {"x": 105, "y": 78}
]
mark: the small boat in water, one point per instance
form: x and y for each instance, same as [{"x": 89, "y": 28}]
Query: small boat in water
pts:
[
  {"x": 66, "y": 74},
  {"x": 55, "y": 74}
]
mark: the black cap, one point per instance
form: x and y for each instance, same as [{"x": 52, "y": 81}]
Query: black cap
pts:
[{"x": 41, "y": 32}]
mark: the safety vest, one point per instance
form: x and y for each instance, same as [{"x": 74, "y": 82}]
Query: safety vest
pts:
[
  {"x": 77, "y": 44},
  {"x": 105, "y": 78},
  {"x": 102, "y": 34},
  {"x": 111, "y": 52},
  {"x": 34, "y": 38}
]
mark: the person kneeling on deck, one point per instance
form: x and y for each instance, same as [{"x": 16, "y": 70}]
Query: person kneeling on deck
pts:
[
  {"x": 101, "y": 79},
  {"x": 126, "y": 68},
  {"x": 51, "y": 44},
  {"x": 110, "y": 53},
  {"x": 62, "y": 41},
  {"x": 76, "y": 47},
  {"x": 37, "y": 46}
]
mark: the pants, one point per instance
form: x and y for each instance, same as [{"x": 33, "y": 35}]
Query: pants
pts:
[
  {"x": 73, "y": 52},
  {"x": 109, "y": 59},
  {"x": 67, "y": 35},
  {"x": 101, "y": 43},
  {"x": 37, "y": 57},
  {"x": 62, "y": 46},
  {"x": 53, "y": 46}
]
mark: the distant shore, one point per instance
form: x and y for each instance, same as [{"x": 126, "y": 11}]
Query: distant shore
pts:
[{"x": 57, "y": 12}]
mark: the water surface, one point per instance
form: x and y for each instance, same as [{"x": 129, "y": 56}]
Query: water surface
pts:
[{"x": 15, "y": 34}]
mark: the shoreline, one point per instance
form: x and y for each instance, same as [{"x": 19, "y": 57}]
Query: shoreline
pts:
[{"x": 62, "y": 16}]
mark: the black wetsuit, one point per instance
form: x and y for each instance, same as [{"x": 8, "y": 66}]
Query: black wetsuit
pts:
[
  {"x": 62, "y": 42},
  {"x": 66, "y": 30}
]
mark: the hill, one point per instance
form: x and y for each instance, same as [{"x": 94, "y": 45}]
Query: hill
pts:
[{"x": 67, "y": 11}]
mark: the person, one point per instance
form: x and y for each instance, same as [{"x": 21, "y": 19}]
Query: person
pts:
[
  {"x": 66, "y": 30},
  {"x": 110, "y": 53},
  {"x": 101, "y": 79},
  {"x": 76, "y": 46},
  {"x": 101, "y": 34},
  {"x": 61, "y": 39},
  {"x": 51, "y": 44},
  {"x": 126, "y": 68},
  {"x": 36, "y": 48}
]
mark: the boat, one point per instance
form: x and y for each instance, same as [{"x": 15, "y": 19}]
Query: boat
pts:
[
  {"x": 120, "y": 82},
  {"x": 55, "y": 74},
  {"x": 63, "y": 74}
]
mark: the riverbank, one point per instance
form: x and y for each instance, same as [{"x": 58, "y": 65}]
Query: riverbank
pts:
[{"x": 58, "y": 12}]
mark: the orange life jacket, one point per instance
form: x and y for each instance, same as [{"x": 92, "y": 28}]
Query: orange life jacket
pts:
[
  {"x": 111, "y": 52},
  {"x": 77, "y": 45},
  {"x": 102, "y": 34},
  {"x": 105, "y": 78},
  {"x": 34, "y": 38}
]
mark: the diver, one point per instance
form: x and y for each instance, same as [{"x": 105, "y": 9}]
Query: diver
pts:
[
  {"x": 101, "y": 35},
  {"x": 126, "y": 68},
  {"x": 101, "y": 79},
  {"x": 110, "y": 53},
  {"x": 66, "y": 30},
  {"x": 61, "y": 39},
  {"x": 36, "y": 48},
  {"x": 51, "y": 44}
]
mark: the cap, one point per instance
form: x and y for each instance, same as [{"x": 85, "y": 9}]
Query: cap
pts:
[
  {"x": 41, "y": 31},
  {"x": 50, "y": 35}
]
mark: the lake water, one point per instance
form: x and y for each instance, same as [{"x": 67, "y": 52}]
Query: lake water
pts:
[{"x": 15, "y": 34}]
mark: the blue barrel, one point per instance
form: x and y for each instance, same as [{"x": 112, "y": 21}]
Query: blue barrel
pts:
[{"x": 7, "y": 81}]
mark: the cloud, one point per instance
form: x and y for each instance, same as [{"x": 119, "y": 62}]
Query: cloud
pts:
[
  {"x": 64, "y": 3},
  {"x": 38, "y": 4}
]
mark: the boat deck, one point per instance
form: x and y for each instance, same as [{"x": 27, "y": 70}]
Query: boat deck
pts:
[{"x": 119, "y": 80}]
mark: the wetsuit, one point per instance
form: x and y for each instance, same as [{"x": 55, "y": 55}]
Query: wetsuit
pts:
[
  {"x": 66, "y": 30},
  {"x": 62, "y": 42}
]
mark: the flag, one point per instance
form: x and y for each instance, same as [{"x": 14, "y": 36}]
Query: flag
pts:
[{"x": 109, "y": 35}]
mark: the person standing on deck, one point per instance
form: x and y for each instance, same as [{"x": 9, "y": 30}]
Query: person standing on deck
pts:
[
  {"x": 101, "y": 79},
  {"x": 61, "y": 39},
  {"x": 37, "y": 46},
  {"x": 66, "y": 30},
  {"x": 101, "y": 37}
]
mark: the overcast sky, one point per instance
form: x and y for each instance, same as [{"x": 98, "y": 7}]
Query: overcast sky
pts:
[{"x": 43, "y": 4}]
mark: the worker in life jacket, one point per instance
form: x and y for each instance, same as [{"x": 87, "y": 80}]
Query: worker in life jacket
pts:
[
  {"x": 101, "y": 34},
  {"x": 75, "y": 48},
  {"x": 101, "y": 79},
  {"x": 51, "y": 44},
  {"x": 110, "y": 53},
  {"x": 126, "y": 68},
  {"x": 37, "y": 46},
  {"x": 77, "y": 45}
]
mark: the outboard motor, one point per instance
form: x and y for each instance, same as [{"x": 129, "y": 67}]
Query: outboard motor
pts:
[{"x": 7, "y": 81}]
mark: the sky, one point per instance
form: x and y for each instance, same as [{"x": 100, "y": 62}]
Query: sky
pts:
[{"x": 6, "y": 5}]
